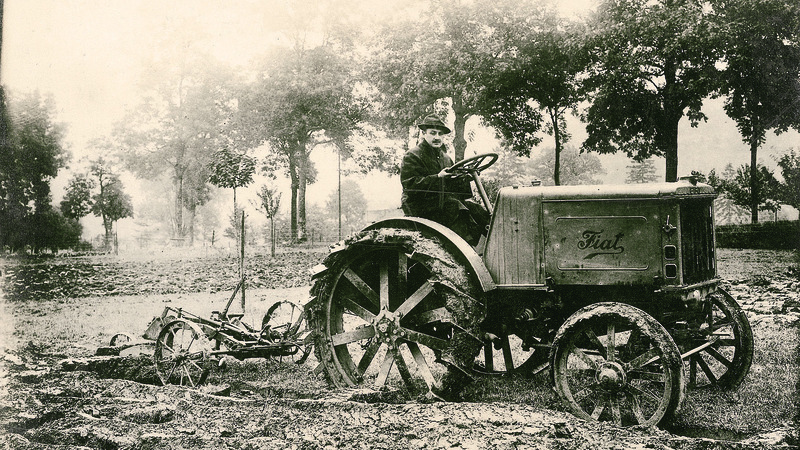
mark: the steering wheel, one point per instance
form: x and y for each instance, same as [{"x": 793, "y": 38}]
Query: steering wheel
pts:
[{"x": 477, "y": 163}]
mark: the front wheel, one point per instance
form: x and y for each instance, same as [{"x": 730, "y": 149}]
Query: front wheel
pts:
[
  {"x": 395, "y": 308},
  {"x": 614, "y": 362}
]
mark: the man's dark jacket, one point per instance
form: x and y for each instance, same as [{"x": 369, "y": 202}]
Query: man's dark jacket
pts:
[{"x": 424, "y": 193}]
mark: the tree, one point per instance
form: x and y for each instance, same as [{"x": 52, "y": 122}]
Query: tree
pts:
[
  {"x": 761, "y": 76},
  {"x": 270, "y": 203},
  {"x": 790, "y": 169},
  {"x": 31, "y": 153},
  {"x": 576, "y": 167},
  {"x": 441, "y": 61},
  {"x": 77, "y": 200},
  {"x": 353, "y": 205},
  {"x": 651, "y": 64},
  {"x": 538, "y": 85},
  {"x": 188, "y": 102},
  {"x": 304, "y": 97},
  {"x": 641, "y": 172},
  {"x": 110, "y": 202},
  {"x": 736, "y": 186},
  {"x": 231, "y": 170}
]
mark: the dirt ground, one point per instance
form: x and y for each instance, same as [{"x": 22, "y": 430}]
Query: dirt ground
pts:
[{"x": 56, "y": 394}]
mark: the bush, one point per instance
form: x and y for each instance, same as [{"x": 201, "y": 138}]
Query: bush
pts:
[{"x": 783, "y": 235}]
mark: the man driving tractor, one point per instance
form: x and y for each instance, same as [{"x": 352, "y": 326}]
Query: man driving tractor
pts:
[{"x": 432, "y": 192}]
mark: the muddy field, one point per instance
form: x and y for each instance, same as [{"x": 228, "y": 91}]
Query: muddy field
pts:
[{"x": 55, "y": 393}]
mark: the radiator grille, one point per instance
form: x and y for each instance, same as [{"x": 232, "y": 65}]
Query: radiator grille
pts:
[{"x": 697, "y": 240}]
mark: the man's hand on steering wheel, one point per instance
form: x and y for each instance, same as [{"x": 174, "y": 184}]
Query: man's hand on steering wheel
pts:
[
  {"x": 476, "y": 163},
  {"x": 446, "y": 173}
]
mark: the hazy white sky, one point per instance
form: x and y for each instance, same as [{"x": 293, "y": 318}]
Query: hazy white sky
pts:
[{"x": 88, "y": 54}]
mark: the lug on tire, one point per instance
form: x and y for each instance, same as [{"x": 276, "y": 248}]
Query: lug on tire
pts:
[
  {"x": 395, "y": 309},
  {"x": 614, "y": 362}
]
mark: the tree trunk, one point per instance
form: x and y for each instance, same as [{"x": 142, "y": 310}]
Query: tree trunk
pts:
[
  {"x": 459, "y": 141},
  {"x": 673, "y": 112},
  {"x": 671, "y": 152},
  {"x": 293, "y": 200},
  {"x": 108, "y": 226},
  {"x": 557, "y": 136},
  {"x": 754, "y": 194},
  {"x": 179, "y": 233},
  {"x": 236, "y": 217},
  {"x": 192, "y": 210},
  {"x": 272, "y": 236},
  {"x": 301, "y": 196}
]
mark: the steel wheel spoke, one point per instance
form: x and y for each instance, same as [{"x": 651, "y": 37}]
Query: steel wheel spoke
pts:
[
  {"x": 357, "y": 309},
  {"x": 434, "y": 315},
  {"x": 362, "y": 287},
  {"x": 402, "y": 274},
  {"x": 369, "y": 355},
  {"x": 615, "y": 412},
  {"x": 402, "y": 367},
  {"x": 596, "y": 341},
  {"x": 386, "y": 366},
  {"x": 488, "y": 356},
  {"x": 611, "y": 346},
  {"x": 585, "y": 358},
  {"x": 633, "y": 390},
  {"x": 657, "y": 377},
  {"x": 431, "y": 342},
  {"x": 348, "y": 337},
  {"x": 188, "y": 376},
  {"x": 422, "y": 365},
  {"x": 636, "y": 408},
  {"x": 415, "y": 298},
  {"x": 719, "y": 357},
  {"x": 598, "y": 410},
  {"x": 644, "y": 359},
  {"x": 707, "y": 370},
  {"x": 508, "y": 358},
  {"x": 384, "y": 282}
]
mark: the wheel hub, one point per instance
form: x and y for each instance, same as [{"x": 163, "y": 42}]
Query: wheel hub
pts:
[
  {"x": 387, "y": 326},
  {"x": 611, "y": 376}
]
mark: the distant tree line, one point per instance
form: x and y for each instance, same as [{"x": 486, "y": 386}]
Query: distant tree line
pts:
[
  {"x": 631, "y": 71},
  {"x": 31, "y": 153}
]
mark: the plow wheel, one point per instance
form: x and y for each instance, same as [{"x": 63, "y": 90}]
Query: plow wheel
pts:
[
  {"x": 723, "y": 358},
  {"x": 613, "y": 362},
  {"x": 182, "y": 354},
  {"x": 394, "y": 309},
  {"x": 284, "y": 322}
]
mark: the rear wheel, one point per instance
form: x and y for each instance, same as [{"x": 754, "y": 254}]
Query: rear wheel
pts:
[
  {"x": 614, "y": 362},
  {"x": 722, "y": 357},
  {"x": 396, "y": 309}
]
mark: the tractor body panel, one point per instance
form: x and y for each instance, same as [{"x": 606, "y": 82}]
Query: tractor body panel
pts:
[{"x": 607, "y": 235}]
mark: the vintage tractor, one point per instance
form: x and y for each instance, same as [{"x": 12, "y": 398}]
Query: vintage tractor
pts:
[{"x": 611, "y": 287}]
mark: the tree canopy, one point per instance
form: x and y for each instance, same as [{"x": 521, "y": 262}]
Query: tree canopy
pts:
[
  {"x": 652, "y": 63},
  {"x": 760, "y": 80},
  {"x": 31, "y": 154}
]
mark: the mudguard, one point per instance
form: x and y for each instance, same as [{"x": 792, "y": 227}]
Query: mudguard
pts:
[{"x": 449, "y": 239}]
